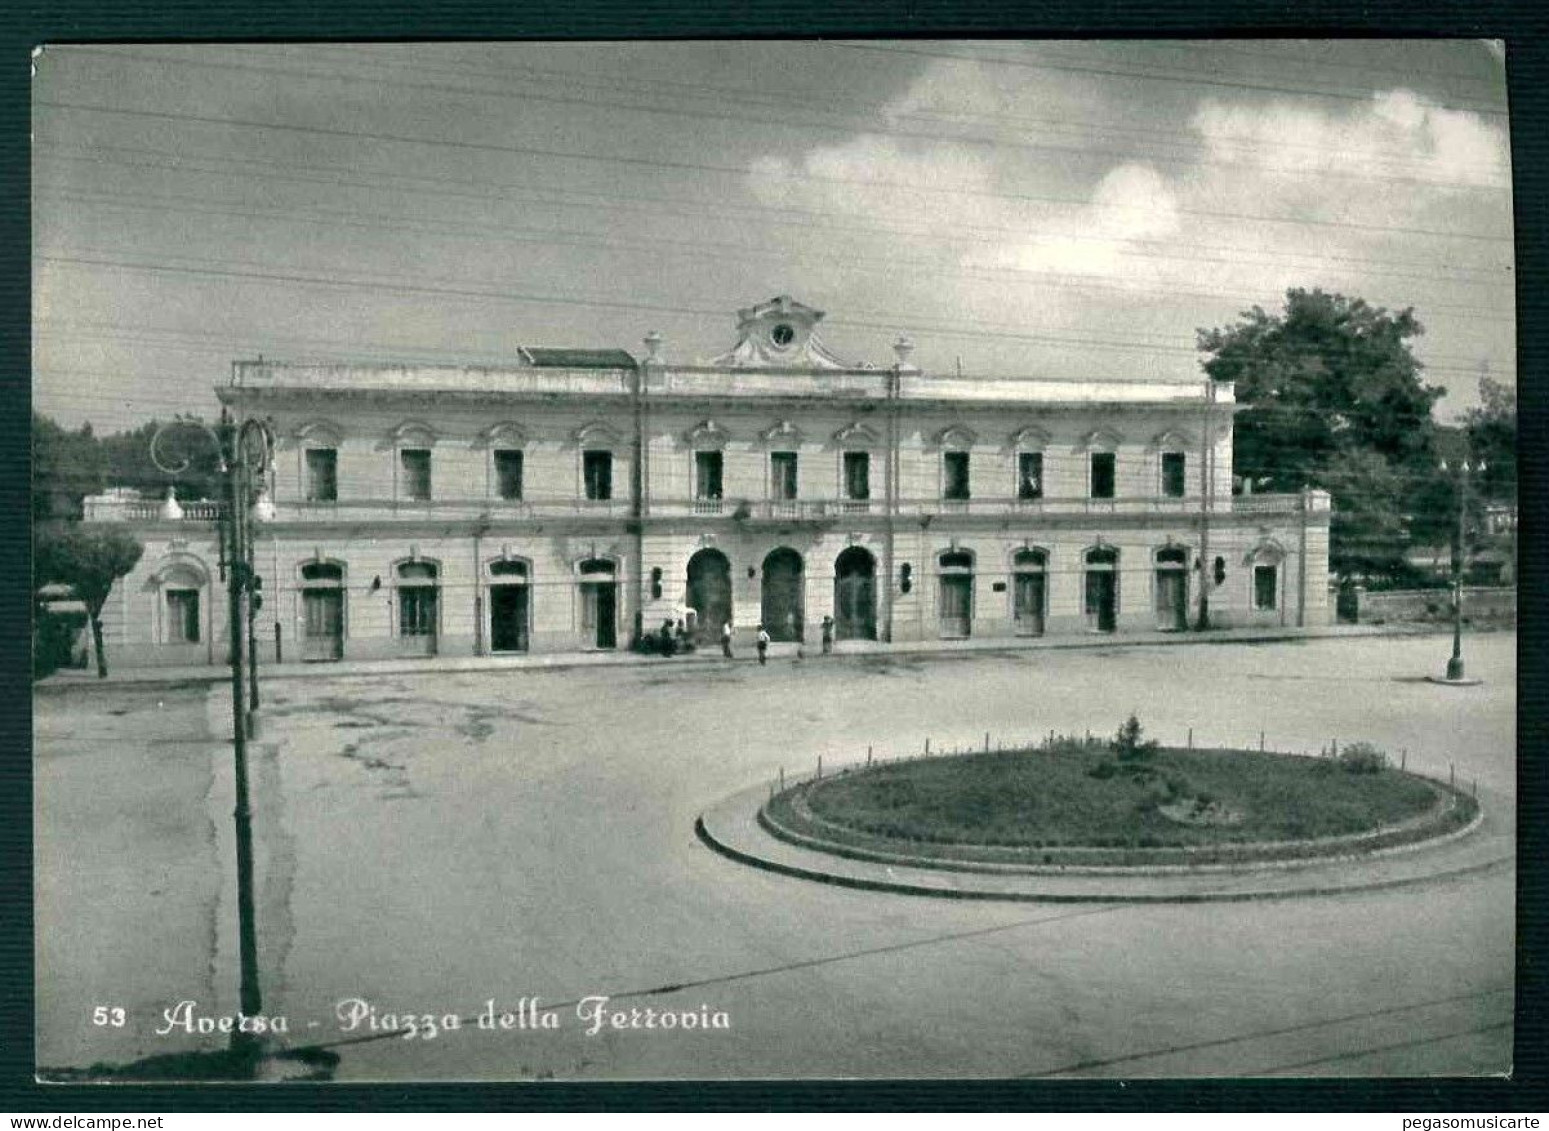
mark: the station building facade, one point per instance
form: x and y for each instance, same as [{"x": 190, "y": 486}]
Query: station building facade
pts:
[{"x": 575, "y": 499}]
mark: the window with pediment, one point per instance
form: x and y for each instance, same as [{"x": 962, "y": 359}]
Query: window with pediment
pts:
[{"x": 412, "y": 443}]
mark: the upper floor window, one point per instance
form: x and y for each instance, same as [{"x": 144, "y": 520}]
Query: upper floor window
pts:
[
  {"x": 954, "y": 468},
  {"x": 1030, "y": 475},
  {"x": 508, "y": 474},
  {"x": 415, "y": 465},
  {"x": 782, "y": 475},
  {"x": 597, "y": 474},
  {"x": 1102, "y": 483},
  {"x": 322, "y": 479},
  {"x": 857, "y": 475},
  {"x": 707, "y": 475},
  {"x": 1173, "y": 474}
]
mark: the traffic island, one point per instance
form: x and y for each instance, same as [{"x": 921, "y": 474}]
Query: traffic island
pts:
[{"x": 1077, "y": 820}]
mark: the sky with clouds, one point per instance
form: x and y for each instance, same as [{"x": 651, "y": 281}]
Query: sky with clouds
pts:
[{"x": 1063, "y": 208}]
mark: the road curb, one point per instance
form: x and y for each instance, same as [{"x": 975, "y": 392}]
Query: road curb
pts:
[
  {"x": 174, "y": 679},
  {"x": 731, "y": 830}
]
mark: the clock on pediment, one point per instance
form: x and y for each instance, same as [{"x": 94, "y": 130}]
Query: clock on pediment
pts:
[{"x": 778, "y": 334}]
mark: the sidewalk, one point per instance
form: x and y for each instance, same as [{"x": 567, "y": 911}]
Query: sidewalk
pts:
[{"x": 64, "y": 681}]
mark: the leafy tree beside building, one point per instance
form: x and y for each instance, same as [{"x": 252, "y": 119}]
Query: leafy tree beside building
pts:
[
  {"x": 89, "y": 559},
  {"x": 1334, "y": 400}
]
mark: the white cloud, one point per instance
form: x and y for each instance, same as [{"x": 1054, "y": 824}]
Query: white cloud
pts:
[{"x": 1394, "y": 135}]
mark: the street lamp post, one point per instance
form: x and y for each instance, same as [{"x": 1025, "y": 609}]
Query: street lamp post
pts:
[
  {"x": 232, "y": 444},
  {"x": 1459, "y": 557}
]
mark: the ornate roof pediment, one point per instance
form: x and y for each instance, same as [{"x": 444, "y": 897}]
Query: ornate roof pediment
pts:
[{"x": 778, "y": 334}]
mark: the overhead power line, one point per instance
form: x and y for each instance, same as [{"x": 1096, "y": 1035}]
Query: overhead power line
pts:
[
  {"x": 1116, "y": 72},
  {"x": 636, "y": 162},
  {"x": 1084, "y": 149},
  {"x": 264, "y": 275},
  {"x": 570, "y": 237}
]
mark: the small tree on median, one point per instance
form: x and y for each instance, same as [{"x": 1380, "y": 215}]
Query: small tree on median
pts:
[
  {"x": 1129, "y": 746},
  {"x": 89, "y": 560}
]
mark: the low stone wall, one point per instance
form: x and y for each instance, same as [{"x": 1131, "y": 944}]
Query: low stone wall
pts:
[{"x": 1480, "y": 605}]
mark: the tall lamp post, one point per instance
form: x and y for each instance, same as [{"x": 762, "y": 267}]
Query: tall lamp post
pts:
[
  {"x": 238, "y": 449},
  {"x": 1459, "y": 558}
]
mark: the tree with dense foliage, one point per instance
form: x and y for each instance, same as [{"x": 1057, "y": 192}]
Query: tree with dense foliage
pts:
[
  {"x": 89, "y": 559},
  {"x": 1491, "y": 429},
  {"x": 66, "y": 467},
  {"x": 1334, "y": 400}
]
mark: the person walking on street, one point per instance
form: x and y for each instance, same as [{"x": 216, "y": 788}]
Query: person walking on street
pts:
[
  {"x": 828, "y": 635},
  {"x": 726, "y": 639},
  {"x": 763, "y": 645}
]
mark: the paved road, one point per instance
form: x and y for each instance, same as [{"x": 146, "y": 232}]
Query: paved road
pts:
[{"x": 430, "y": 843}]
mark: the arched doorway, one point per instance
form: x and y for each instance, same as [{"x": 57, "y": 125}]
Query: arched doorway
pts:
[
  {"x": 1172, "y": 589},
  {"x": 322, "y": 611},
  {"x": 955, "y": 607},
  {"x": 510, "y": 607},
  {"x": 855, "y": 595},
  {"x": 709, "y": 593},
  {"x": 419, "y": 608},
  {"x": 599, "y": 603},
  {"x": 1029, "y": 596},
  {"x": 1102, "y": 589},
  {"x": 782, "y": 607}
]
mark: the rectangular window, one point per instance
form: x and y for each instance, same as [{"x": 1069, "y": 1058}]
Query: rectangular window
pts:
[
  {"x": 322, "y": 475},
  {"x": 954, "y": 469},
  {"x": 1173, "y": 465},
  {"x": 508, "y": 474},
  {"x": 782, "y": 475},
  {"x": 416, "y": 473},
  {"x": 1102, "y": 474},
  {"x": 417, "y": 610},
  {"x": 707, "y": 475},
  {"x": 857, "y": 475},
  {"x": 182, "y": 616},
  {"x": 1030, "y": 475},
  {"x": 597, "y": 471},
  {"x": 1266, "y": 588}
]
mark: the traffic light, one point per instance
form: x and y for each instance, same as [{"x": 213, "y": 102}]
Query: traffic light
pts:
[
  {"x": 905, "y": 578},
  {"x": 1220, "y": 570},
  {"x": 656, "y": 583}
]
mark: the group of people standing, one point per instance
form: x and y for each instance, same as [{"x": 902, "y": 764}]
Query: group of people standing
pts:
[
  {"x": 762, "y": 640},
  {"x": 675, "y": 636}
]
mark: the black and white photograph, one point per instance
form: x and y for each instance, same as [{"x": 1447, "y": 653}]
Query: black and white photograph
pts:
[{"x": 773, "y": 560}]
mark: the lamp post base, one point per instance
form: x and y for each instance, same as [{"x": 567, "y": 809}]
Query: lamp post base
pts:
[{"x": 1448, "y": 681}]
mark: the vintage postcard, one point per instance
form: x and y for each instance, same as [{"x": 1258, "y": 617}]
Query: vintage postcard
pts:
[{"x": 858, "y": 559}]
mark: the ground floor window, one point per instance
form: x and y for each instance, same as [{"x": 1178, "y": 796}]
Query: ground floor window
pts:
[
  {"x": 417, "y": 612},
  {"x": 1102, "y": 589},
  {"x": 182, "y": 616},
  {"x": 417, "y": 599},
  {"x": 599, "y": 603},
  {"x": 1266, "y": 587},
  {"x": 1029, "y": 591},
  {"x": 955, "y": 602}
]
